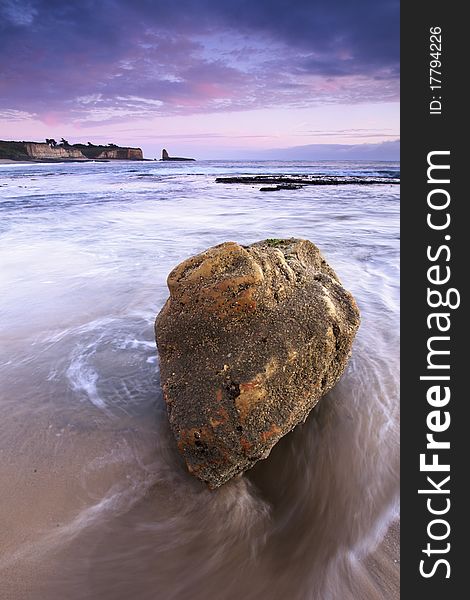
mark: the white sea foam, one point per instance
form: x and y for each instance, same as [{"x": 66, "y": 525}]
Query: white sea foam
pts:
[{"x": 82, "y": 377}]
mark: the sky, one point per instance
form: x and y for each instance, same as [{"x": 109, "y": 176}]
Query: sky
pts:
[{"x": 202, "y": 78}]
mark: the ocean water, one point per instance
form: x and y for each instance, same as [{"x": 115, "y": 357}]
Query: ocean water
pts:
[{"x": 95, "y": 501}]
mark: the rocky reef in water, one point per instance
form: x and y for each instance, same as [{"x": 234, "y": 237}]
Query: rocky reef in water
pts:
[
  {"x": 250, "y": 339},
  {"x": 294, "y": 182}
]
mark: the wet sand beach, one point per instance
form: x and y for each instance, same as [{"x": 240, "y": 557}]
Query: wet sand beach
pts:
[{"x": 100, "y": 513}]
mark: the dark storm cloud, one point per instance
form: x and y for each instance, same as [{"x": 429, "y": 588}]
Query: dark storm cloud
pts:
[{"x": 66, "y": 58}]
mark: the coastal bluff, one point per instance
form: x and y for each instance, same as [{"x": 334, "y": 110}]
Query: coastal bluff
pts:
[
  {"x": 41, "y": 151},
  {"x": 250, "y": 339}
]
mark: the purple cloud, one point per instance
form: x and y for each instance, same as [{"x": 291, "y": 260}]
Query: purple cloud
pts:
[{"x": 99, "y": 62}]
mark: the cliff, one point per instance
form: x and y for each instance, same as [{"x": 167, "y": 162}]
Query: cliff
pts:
[
  {"x": 110, "y": 152},
  {"x": 41, "y": 151},
  {"x": 35, "y": 150}
]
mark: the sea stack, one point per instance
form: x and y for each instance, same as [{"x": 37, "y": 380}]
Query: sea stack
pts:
[
  {"x": 166, "y": 156},
  {"x": 250, "y": 339}
]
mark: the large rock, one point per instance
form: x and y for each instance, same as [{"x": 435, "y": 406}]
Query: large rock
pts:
[{"x": 250, "y": 339}]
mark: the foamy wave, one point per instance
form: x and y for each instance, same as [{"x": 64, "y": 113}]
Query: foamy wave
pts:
[{"x": 83, "y": 377}]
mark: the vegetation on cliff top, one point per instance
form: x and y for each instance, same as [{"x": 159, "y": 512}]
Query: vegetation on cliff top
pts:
[{"x": 13, "y": 150}]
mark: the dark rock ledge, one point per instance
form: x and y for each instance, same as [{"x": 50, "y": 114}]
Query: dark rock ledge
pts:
[{"x": 282, "y": 182}]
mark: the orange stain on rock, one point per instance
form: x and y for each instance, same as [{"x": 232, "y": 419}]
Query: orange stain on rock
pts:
[
  {"x": 273, "y": 431},
  {"x": 246, "y": 445}
]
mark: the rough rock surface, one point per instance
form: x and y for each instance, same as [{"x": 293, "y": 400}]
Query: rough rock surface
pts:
[{"x": 249, "y": 340}]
